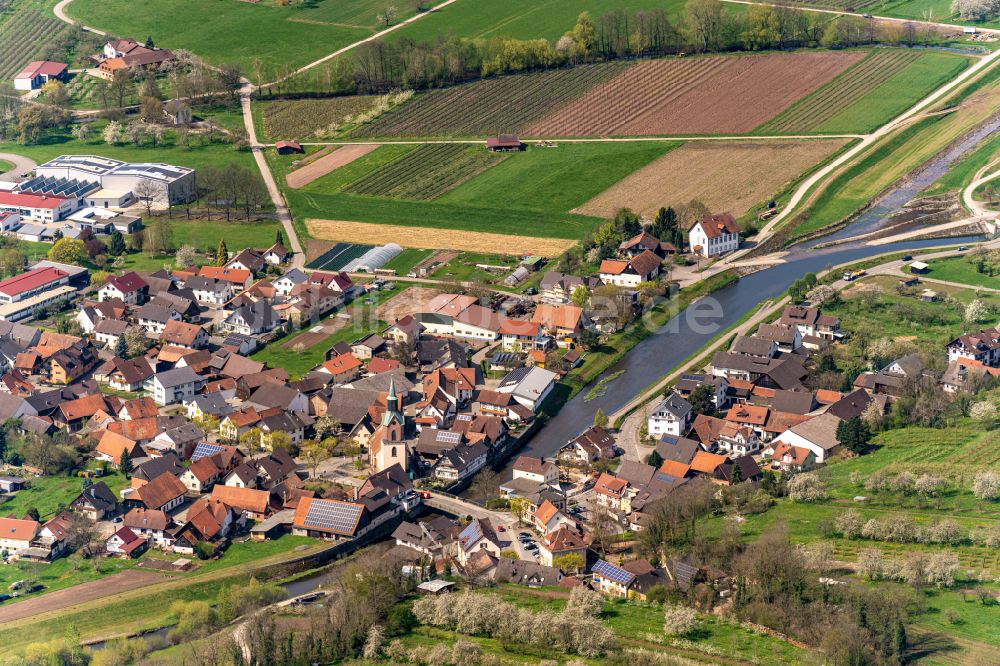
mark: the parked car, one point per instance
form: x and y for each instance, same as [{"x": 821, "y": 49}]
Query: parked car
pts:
[{"x": 907, "y": 257}]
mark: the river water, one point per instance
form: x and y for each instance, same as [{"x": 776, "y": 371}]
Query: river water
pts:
[{"x": 692, "y": 329}]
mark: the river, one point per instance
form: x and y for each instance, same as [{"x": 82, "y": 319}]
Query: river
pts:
[{"x": 685, "y": 334}]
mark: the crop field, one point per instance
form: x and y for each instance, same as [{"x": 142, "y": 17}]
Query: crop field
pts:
[
  {"x": 320, "y": 166},
  {"x": 868, "y": 94},
  {"x": 522, "y": 19},
  {"x": 695, "y": 95},
  {"x": 557, "y": 179},
  {"x": 725, "y": 176},
  {"x": 427, "y": 172},
  {"x": 338, "y": 256},
  {"x": 491, "y": 106},
  {"x": 435, "y": 238},
  {"x": 350, "y": 13},
  {"x": 303, "y": 118},
  {"x": 264, "y": 40},
  {"x": 28, "y": 34}
]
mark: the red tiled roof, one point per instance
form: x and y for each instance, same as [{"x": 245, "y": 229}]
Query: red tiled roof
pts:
[
  {"x": 341, "y": 364},
  {"x": 716, "y": 225},
  {"x": 232, "y": 275},
  {"x": 18, "y": 530},
  {"x": 26, "y": 200},
  {"x": 41, "y": 68},
  {"x": 33, "y": 279},
  {"x": 126, "y": 283}
]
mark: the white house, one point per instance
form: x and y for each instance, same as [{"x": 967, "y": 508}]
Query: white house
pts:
[
  {"x": 529, "y": 386},
  {"x": 670, "y": 417},
  {"x": 175, "y": 386},
  {"x": 714, "y": 235},
  {"x": 536, "y": 469},
  {"x": 209, "y": 291},
  {"x": 129, "y": 288},
  {"x": 630, "y": 272},
  {"x": 287, "y": 282},
  {"x": 818, "y": 434}
]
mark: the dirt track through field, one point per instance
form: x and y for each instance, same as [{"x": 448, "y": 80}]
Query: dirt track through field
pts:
[
  {"x": 432, "y": 238},
  {"x": 724, "y": 176},
  {"x": 327, "y": 163},
  {"x": 120, "y": 582},
  {"x": 711, "y": 95}
]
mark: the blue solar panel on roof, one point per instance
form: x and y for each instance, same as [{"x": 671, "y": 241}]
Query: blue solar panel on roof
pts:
[
  {"x": 613, "y": 573},
  {"x": 333, "y": 516},
  {"x": 204, "y": 450}
]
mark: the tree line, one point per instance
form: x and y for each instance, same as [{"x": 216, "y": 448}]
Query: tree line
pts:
[{"x": 704, "y": 26}]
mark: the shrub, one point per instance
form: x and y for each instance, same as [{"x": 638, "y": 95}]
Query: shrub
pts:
[
  {"x": 585, "y": 602},
  {"x": 806, "y": 488},
  {"x": 849, "y": 524},
  {"x": 679, "y": 620},
  {"x": 986, "y": 485},
  {"x": 871, "y": 563}
]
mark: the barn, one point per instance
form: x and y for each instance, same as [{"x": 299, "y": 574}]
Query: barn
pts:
[{"x": 504, "y": 143}]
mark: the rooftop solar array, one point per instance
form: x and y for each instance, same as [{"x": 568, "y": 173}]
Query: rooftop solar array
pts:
[
  {"x": 613, "y": 573},
  {"x": 91, "y": 163},
  {"x": 333, "y": 516},
  {"x": 472, "y": 533},
  {"x": 448, "y": 437},
  {"x": 60, "y": 187},
  {"x": 151, "y": 170},
  {"x": 204, "y": 450}
]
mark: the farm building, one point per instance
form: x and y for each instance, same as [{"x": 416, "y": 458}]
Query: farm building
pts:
[
  {"x": 288, "y": 147},
  {"x": 504, "y": 143},
  {"x": 919, "y": 267},
  {"x": 36, "y": 74}
]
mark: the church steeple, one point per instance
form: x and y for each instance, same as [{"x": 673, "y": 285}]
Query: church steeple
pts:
[{"x": 392, "y": 411}]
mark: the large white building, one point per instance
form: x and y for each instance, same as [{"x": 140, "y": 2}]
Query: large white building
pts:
[
  {"x": 713, "y": 235},
  {"x": 122, "y": 183}
]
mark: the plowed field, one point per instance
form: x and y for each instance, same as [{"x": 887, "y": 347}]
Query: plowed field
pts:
[
  {"x": 712, "y": 95},
  {"x": 724, "y": 176},
  {"x": 851, "y": 86},
  {"x": 327, "y": 163},
  {"x": 491, "y": 106}
]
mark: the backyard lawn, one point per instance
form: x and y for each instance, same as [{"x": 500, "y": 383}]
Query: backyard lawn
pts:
[{"x": 49, "y": 493}]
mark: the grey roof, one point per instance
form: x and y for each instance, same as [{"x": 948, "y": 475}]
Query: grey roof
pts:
[
  {"x": 523, "y": 572},
  {"x": 821, "y": 430},
  {"x": 186, "y": 432},
  {"x": 212, "y": 403},
  {"x": 273, "y": 394},
  {"x": 796, "y": 402},
  {"x": 674, "y": 405},
  {"x": 177, "y": 377},
  {"x": 636, "y": 473},
  {"x": 752, "y": 346},
  {"x": 677, "y": 449},
  {"x": 156, "y": 313},
  {"x": 911, "y": 365},
  {"x": 9, "y": 405}
]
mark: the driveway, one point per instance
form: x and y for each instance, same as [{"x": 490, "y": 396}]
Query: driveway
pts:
[{"x": 21, "y": 165}]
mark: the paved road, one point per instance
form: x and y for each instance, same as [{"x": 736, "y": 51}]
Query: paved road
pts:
[
  {"x": 21, "y": 165},
  {"x": 60, "y": 11},
  {"x": 888, "y": 19},
  {"x": 281, "y": 209},
  {"x": 377, "y": 35}
]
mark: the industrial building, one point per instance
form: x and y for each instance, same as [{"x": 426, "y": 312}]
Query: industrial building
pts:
[{"x": 120, "y": 184}]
